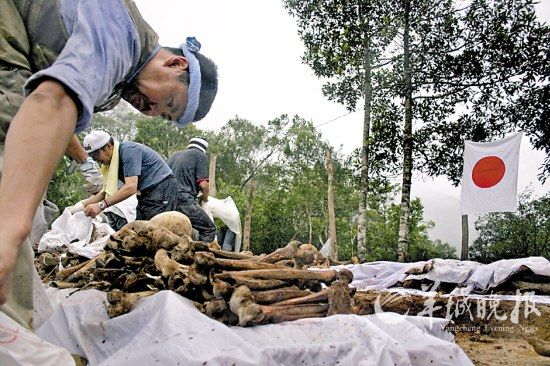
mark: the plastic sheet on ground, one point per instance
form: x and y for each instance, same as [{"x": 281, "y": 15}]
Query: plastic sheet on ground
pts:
[
  {"x": 537, "y": 299},
  {"x": 467, "y": 275},
  {"x": 20, "y": 347},
  {"x": 447, "y": 270},
  {"x": 493, "y": 274},
  {"x": 75, "y": 233},
  {"x": 378, "y": 275},
  {"x": 166, "y": 329}
]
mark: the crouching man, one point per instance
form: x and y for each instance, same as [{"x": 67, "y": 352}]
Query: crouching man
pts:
[{"x": 143, "y": 171}]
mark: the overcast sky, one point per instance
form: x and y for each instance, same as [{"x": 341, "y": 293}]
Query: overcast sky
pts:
[{"x": 257, "y": 49}]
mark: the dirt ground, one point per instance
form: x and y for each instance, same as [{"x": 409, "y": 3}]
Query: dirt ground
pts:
[
  {"x": 485, "y": 350},
  {"x": 492, "y": 339},
  {"x": 503, "y": 342}
]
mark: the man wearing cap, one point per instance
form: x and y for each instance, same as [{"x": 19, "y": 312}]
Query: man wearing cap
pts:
[
  {"x": 61, "y": 61},
  {"x": 190, "y": 167},
  {"x": 144, "y": 172},
  {"x": 141, "y": 169}
]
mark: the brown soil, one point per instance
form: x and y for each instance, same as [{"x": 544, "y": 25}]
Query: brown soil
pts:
[
  {"x": 486, "y": 350},
  {"x": 486, "y": 340},
  {"x": 506, "y": 343}
]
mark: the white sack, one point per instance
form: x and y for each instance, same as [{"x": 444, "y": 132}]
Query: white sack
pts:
[
  {"x": 325, "y": 249},
  {"x": 75, "y": 232},
  {"x": 225, "y": 210}
]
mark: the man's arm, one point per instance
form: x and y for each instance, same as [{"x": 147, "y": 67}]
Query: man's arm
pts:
[
  {"x": 76, "y": 151},
  {"x": 205, "y": 190},
  {"x": 38, "y": 137},
  {"x": 129, "y": 188},
  {"x": 87, "y": 166},
  {"x": 98, "y": 197}
]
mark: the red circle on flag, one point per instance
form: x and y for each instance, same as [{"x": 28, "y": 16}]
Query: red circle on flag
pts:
[{"x": 488, "y": 171}]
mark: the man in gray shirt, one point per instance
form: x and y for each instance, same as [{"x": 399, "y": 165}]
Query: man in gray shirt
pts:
[
  {"x": 190, "y": 167},
  {"x": 144, "y": 172}
]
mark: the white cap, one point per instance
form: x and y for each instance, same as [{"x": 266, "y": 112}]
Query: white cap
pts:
[
  {"x": 199, "y": 143},
  {"x": 95, "y": 140}
]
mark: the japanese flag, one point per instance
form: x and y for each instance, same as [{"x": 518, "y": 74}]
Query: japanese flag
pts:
[{"x": 490, "y": 176}]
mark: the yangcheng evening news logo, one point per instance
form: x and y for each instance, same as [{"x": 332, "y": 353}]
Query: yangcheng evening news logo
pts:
[{"x": 486, "y": 308}]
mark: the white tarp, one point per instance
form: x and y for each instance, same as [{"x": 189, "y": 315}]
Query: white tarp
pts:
[
  {"x": 20, "y": 347},
  {"x": 447, "y": 270},
  {"x": 378, "y": 275},
  {"x": 493, "y": 274},
  {"x": 166, "y": 329},
  {"x": 469, "y": 276}
]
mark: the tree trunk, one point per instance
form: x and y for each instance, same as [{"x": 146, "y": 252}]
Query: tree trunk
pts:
[
  {"x": 364, "y": 185},
  {"x": 248, "y": 216},
  {"x": 465, "y": 232},
  {"x": 309, "y": 225},
  {"x": 331, "y": 216},
  {"x": 212, "y": 176},
  {"x": 403, "y": 240}
]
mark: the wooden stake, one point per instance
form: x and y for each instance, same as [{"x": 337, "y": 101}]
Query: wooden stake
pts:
[{"x": 212, "y": 176}]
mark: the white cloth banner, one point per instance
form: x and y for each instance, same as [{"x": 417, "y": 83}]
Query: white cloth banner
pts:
[{"x": 490, "y": 175}]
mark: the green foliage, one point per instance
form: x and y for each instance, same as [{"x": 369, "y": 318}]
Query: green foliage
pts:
[
  {"x": 164, "y": 136},
  {"x": 514, "y": 235},
  {"x": 64, "y": 189},
  {"x": 383, "y": 225},
  {"x": 479, "y": 70},
  {"x": 246, "y": 150},
  {"x": 120, "y": 123},
  {"x": 287, "y": 159}
]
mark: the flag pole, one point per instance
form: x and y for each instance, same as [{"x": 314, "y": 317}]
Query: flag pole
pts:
[{"x": 464, "y": 251}]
